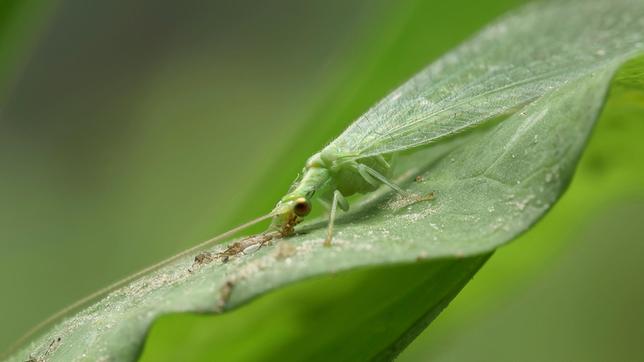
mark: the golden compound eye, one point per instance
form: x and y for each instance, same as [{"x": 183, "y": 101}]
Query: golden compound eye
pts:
[{"x": 302, "y": 207}]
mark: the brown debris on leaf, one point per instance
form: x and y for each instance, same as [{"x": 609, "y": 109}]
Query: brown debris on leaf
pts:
[
  {"x": 253, "y": 243},
  {"x": 53, "y": 346},
  {"x": 225, "y": 292}
]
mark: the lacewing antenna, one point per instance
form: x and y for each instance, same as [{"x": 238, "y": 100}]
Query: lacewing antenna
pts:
[{"x": 30, "y": 333}]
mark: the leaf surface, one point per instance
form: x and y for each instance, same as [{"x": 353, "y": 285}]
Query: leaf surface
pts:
[{"x": 490, "y": 185}]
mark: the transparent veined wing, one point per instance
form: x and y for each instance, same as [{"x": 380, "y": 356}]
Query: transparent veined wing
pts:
[{"x": 486, "y": 77}]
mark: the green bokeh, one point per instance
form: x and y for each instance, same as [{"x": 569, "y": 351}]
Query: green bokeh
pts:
[{"x": 130, "y": 131}]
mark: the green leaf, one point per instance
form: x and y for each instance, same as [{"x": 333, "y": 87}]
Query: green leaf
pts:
[{"x": 490, "y": 185}]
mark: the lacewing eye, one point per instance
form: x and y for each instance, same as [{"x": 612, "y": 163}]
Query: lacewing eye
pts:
[{"x": 302, "y": 207}]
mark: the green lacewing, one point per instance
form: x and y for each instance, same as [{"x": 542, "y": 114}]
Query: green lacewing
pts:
[{"x": 509, "y": 64}]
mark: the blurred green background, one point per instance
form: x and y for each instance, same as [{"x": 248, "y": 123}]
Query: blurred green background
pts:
[{"x": 130, "y": 131}]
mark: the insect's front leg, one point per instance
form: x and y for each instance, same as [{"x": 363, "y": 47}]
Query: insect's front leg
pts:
[{"x": 338, "y": 200}]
